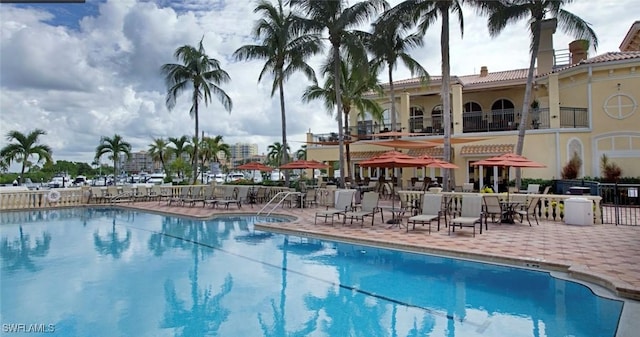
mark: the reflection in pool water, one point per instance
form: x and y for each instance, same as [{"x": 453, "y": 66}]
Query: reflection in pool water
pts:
[{"x": 106, "y": 272}]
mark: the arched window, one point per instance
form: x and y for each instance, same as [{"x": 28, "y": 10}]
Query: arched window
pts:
[
  {"x": 386, "y": 120},
  {"x": 436, "y": 119},
  {"x": 503, "y": 109},
  {"x": 416, "y": 119},
  {"x": 472, "y": 107},
  {"x": 472, "y": 120}
]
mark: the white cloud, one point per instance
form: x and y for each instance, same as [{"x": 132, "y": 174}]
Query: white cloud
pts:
[{"x": 103, "y": 77}]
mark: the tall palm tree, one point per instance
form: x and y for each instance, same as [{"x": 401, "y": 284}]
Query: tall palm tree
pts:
[
  {"x": 424, "y": 13},
  {"x": 337, "y": 18},
  {"x": 285, "y": 50},
  {"x": 274, "y": 153},
  {"x": 204, "y": 75},
  {"x": 25, "y": 146},
  {"x": 501, "y": 13},
  {"x": 115, "y": 146},
  {"x": 355, "y": 82},
  {"x": 389, "y": 45},
  {"x": 159, "y": 151}
]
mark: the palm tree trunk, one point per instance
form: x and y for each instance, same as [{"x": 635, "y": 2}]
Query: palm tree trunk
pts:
[
  {"x": 446, "y": 94},
  {"x": 283, "y": 117},
  {"x": 522, "y": 128},
  {"x": 194, "y": 160},
  {"x": 393, "y": 99},
  {"x": 336, "y": 84},
  {"x": 346, "y": 145}
]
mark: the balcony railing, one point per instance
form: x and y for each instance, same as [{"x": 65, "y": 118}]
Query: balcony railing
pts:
[{"x": 574, "y": 117}]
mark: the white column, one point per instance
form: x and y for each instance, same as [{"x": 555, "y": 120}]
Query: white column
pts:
[{"x": 495, "y": 179}]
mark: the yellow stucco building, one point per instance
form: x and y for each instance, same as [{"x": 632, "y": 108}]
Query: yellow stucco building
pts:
[{"x": 585, "y": 105}]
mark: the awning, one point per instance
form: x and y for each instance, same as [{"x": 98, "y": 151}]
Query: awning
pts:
[{"x": 489, "y": 149}]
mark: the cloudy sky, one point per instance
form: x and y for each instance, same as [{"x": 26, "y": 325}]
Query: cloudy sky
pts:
[{"x": 82, "y": 71}]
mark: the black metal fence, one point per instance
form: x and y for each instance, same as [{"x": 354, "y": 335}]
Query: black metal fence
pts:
[{"x": 620, "y": 203}]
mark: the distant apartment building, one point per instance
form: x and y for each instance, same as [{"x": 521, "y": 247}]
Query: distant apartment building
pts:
[
  {"x": 241, "y": 152},
  {"x": 137, "y": 162}
]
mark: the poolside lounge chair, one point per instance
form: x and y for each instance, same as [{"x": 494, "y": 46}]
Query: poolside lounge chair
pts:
[
  {"x": 530, "y": 210},
  {"x": 533, "y": 189},
  {"x": 179, "y": 199},
  {"x": 470, "y": 214},
  {"x": 341, "y": 206},
  {"x": 97, "y": 195},
  {"x": 195, "y": 196},
  {"x": 492, "y": 207},
  {"x": 431, "y": 210},
  {"x": 238, "y": 195},
  {"x": 369, "y": 207}
]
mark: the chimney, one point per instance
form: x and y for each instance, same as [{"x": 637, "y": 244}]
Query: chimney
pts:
[
  {"x": 578, "y": 50},
  {"x": 484, "y": 71},
  {"x": 546, "y": 54}
]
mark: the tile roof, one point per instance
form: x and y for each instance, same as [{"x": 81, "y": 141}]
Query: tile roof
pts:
[
  {"x": 606, "y": 57},
  {"x": 492, "y": 149},
  {"x": 492, "y": 77},
  {"x": 437, "y": 152},
  {"x": 361, "y": 155}
]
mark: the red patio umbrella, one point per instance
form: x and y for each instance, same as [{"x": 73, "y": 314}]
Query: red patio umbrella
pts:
[
  {"x": 255, "y": 166},
  {"x": 438, "y": 163},
  {"x": 303, "y": 165},
  {"x": 509, "y": 160},
  {"x": 393, "y": 159}
]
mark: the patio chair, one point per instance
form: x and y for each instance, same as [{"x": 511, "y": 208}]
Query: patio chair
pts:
[
  {"x": 431, "y": 210},
  {"x": 97, "y": 195},
  {"x": 470, "y": 214},
  {"x": 369, "y": 207},
  {"x": 155, "y": 192},
  {"x": 184, "y": 194},
  {"x": 195, "y": 196},
  {"x": 310, "y": 197},
  {"x": 529, "y": 210},
  {"x": 492, "y": 208},
  {"x": 533, "y": 189},
  {"x": 230, "y": 197},
  {"x": 341, "y": 206}
]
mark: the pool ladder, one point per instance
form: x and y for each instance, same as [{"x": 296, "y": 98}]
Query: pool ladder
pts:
[{"x": 283, "y": 195}]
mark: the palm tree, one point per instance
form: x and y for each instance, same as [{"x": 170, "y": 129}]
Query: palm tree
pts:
[
  {"x": 212, "y": 147},
  {"x": 115, "y": 146},
  {"x": 204, "y": 74},
  {"x": 388, "y": 45},
  {"x": 24, "y": 147},
  {"x": 285, "y": 50},
  {"x": 355, "y": 82},
  {"x": 178, "y": 148},
  {"x": 159, "y": 151},
  {"x": 504, "y": 12},
  {"x": 424, "y": 13},
  {"x": 274, "y": 153},
  {"x": 337, "y": 19},
  {"x": 301, "y": 153}
]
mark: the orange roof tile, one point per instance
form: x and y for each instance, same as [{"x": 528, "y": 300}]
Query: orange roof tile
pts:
[
  {"x": 492, "y": 77},
  {"x": 493, "y": 149},
  {"x": 361, "y": 155},
  {"x": 436, "y": 152}
]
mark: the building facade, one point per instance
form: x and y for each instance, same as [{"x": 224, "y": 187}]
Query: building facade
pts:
[{"x": 582, "y": 105}]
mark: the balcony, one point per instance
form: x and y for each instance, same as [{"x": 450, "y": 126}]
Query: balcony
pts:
[
  {"x": 509, "y": 120},
  {"x": 574, "y": 117}
]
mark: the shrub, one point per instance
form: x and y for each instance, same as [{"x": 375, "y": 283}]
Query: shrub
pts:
[
  {"x": 571, "y": 170},
  {"x": 611, "y": 171}
]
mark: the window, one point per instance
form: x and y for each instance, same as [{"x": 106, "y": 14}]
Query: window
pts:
[
  {"x": 436, "y": 118},
  {"x": 503, "y": 109},
  {"x": 472, "y": 107},
  {"x": 416, "y": 119}
]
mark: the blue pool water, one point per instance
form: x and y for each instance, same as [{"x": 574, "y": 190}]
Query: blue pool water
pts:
[{"x": 104, "y": 272}]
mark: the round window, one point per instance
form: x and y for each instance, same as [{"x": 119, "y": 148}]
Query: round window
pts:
[{"x": 620, "y": 106}]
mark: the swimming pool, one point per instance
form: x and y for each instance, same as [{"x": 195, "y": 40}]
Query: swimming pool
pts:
[{"x": 107, "y": 272}]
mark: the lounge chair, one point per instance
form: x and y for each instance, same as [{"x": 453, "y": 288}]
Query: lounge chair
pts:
[
  {"x": 310, "y": 197},
  {"x": 431, "y": 210},
  {"x": 470, "y": 214},
  {"x": 369, "y": 207},
  {"x": 533, "y": 189},
  {"x": 530, "y": 210},
  {"x": 194, "y": 197},
  {"x": 239, "y": 195},
  {"x": 492, "y": 207},
  {"x": 341, "y": 206},
  {"x": 184, "y": 194}
]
